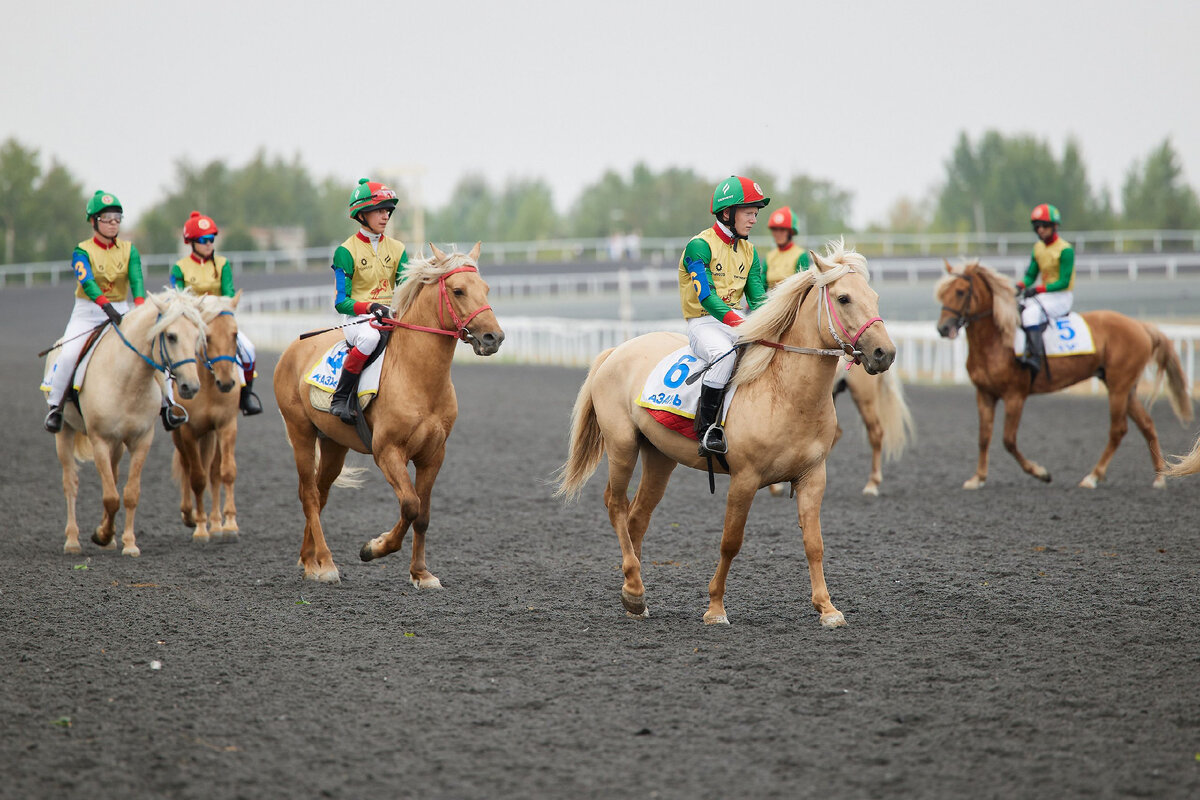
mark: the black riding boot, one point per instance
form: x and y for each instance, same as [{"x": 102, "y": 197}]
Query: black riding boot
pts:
[
  {"x": 708, "y": 425},
  {"x": 172, "y": 415},
  {"x": 54, "y": 419},
  {"x": 339, "y": 404},
  {"x": 1035, "y": 351},
  {"x": 248, "y": 402}
]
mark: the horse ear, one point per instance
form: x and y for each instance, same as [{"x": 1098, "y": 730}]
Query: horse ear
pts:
[
  {"x": 160, "y": 304},
  {"x": 817, "y": 261},
  {"x": 438, "y": 255},
  {"x": 949, "y": 268},
  {"x": 236, "y": 298},
  {"x": 474, "y": 254}
]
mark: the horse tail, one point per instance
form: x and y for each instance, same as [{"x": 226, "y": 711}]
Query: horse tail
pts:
[
  {"x": 83, "y": 448},
  {"x": 348, "y": 478},
  {"x": 894, "y": 416},
  {"x": 587, "y": 441},
  {"x": 1167, "y": 361},
  {"x": 1185, "y": 465},
  {"x": 177, "y": 468}
]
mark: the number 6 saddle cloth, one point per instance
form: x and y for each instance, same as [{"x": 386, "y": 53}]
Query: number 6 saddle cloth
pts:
[
  {"x": 1064, "y": 336},
  {"x": 323, "y": 377},
  {"x": 670, "y": 399}
]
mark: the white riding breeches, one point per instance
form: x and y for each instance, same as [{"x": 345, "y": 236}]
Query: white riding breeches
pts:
[
  {"x": 362, "y": 335},
  {"x": 84, "y": 316},
  {"x": 245, "y": 350},
  {"x": 1045, "y": 307},
  {"x": 710, "y": 338}
]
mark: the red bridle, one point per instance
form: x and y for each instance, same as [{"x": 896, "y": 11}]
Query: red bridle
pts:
[{"x": 460, "y": 325}]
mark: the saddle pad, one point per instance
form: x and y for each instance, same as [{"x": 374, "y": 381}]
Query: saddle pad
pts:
[
  {"x": 666, "y": 388},
  {"x": 1064, "y": 336},
  {"x": 81, "y": 372},
  {"x": 324, "y": 376}
]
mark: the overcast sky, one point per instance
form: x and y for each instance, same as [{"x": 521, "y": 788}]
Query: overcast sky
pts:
[{"x": 870, "y": 95}]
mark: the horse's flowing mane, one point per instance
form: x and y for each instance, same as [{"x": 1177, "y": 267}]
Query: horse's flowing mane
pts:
[
  {"x": 422, "y": 271},
  {"x": 1004, "y": 296},
  {"x": 179, "y": 303},
  {"x": 783, "y": 302},
  {"x": 213, "y": 305}
]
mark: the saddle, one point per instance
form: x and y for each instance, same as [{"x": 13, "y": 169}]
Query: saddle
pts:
[{"x": 323, "y": 378}]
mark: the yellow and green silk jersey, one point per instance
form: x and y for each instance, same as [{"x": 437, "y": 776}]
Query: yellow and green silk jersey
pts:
[
  {"x": 785, "y": 262},
  {"x": 366, "y": 275},
  {"x": 211, "y": 276},
  {"x": 108, "y": 270},
  {"x": 1056, "y": 264}
]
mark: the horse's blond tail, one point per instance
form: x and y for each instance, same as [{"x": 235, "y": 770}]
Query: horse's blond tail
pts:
[
  {"x": 894, "y": 416},
  {"x": 587, "y": 441},
  {"x": 1167, "y": 361},
  {"x": 83, "y": 448},
  {"x": 1185, "y": 465},
  {"x": 348, "y": 478}
]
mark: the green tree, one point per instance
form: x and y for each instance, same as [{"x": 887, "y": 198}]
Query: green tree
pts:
[
  {"x": 819, "y": 206},
  {"x": 469, "y": 215},
  {"x": 1155, "y": 194},
  {"x": 525, "y": 212},
  {"x": 41, "y": 215}
]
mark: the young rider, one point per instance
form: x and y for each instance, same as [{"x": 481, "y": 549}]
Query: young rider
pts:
[
  {"x": 786, "y": 259},
  {"x": 366, "y": 268},
  {"x": 1054, "y": 259},
  {"x": 718, "y": 267},
  {"x": 109, "y": 271},
  {"x": 204, "y": 272}
]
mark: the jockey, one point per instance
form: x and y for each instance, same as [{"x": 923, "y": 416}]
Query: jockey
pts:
[
  {"x": 1054, "y": 258},
  {"x": 786, "y": 259},
  {"x": 715, "y": 270},
  {"x": 109, "y": 271},
  {"x": 366, "y": 268},
  {"x": 206, "y": 273}
]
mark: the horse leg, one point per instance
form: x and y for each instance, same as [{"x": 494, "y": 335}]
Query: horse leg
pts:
[
  {"x": 656, "y": 473},
  {"x": 810, "y": 491},
  {"x": 133, "y": 492},
  {"x": 1118, "y": 407},
  {"x": 64, "y": 443},
  {"x": 737, "y": 507},
  {"x": 986, "y": 403},
  {"x": 427, "y": 473},
  {"x": 315, "y": 557},
  {"x": 222, "y": 476},
  {"x": 111, "y": 501},
  {"x": 1014, "y": 404},
  {"x": 1145, "y": 424},
  {"x": 622, "y": 457},
  {"x": 393, "y": 463},
  {"x": 192, "y": 451},
  {"x": 869, "y": 412},
  {"x": 181, "y": 471}
]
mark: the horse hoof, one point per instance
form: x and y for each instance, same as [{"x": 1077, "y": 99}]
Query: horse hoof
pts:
[
  {"x": 871, "y": 489},
  {"x": 365, "y": 553},
  {"x": 834, "y": 619},
  {"x": 974, "y": 483},
  {"x": 72, "y": 548},
  {"x": 131, "y": 551},
  {"x": 1042, "y": 474},
  {"x": 1088, "y": 483},
  {"x": 188, "y": 522},
  {"x": 718, "y": 619},
  {"x": 1160, "y": 482},
  {"x": 635, "y": 604},
  {"x": 325, "y": 576},
  {"x": 201, "y": 538},
  {"x": 225, "y": 537},
  {"x": 107, "y": 544},
  {"x": 425, "y": 583}
]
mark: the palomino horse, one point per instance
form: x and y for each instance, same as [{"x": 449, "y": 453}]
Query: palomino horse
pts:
[
  {"x": 780, "y": 427},
  {"x": 204, "y": 445},
  {"x": 984, "y": 302},
  {"x": 120, "y": 400},
  {"x": 439, "y": 302},
  {"x": 884, "y": 411}
]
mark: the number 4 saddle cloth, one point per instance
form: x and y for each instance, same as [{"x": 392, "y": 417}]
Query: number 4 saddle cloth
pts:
[
  {"x": 1064, "y": 336},
  {"x": 670, "y": 399},
  {"x": 323, "y": 377}
]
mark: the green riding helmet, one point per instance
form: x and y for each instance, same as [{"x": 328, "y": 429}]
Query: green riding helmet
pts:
[
  {"x": 102, "y": 201},
  {"x": 369, "y": 196},
  {"x": 737, "y": 191},
  {"x": 1046, "y": 213}
]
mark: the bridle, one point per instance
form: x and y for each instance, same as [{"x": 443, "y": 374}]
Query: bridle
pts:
[
  {"x": 459, "y": 330},
  {"x": 845, "y": 348},
  {"x": 167, "y": 365},
  {"x": 208, "y": 362},
  {"x": 961, "y": 318}
]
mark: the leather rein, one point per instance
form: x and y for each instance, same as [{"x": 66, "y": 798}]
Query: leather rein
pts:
[
  {"x": 961, "y": 318},
  {"x": 459, "y": 331},
  {"x": 845, "y": 348}
]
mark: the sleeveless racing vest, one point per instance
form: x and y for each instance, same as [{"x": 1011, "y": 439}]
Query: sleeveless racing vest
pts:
[
  {"x": 374, "y": 278},
  {"x": 783, "y": 264},
  {"x": 1047, "y": 258},
  {"x": 202, "y": 278},
  {"x": 729, "y": 268},
  {"x": 110, "y": 268}
]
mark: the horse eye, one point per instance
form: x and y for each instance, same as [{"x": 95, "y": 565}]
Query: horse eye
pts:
[
  {"x": 844, "y": 299},
  {"x": 458, "y": 292},
  {"x": 958, "y": 292},
  {"x": 172, "y": 338}
]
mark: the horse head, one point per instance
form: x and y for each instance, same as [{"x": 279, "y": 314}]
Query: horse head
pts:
[
  {"x": 972, "y": 293},
  {"x": 852, "y": 307},
  {"x": 219, "y": 352},
  {"x": 462, "y": 296},
  {"x": 177, "y": 339}
]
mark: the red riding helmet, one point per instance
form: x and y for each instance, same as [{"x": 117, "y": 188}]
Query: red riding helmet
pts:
[
  {"x": 1046, "y": 213},
  {"x": 198, "y": 225},
  {"x": 370, "y": 195},
  {"x": 783, "y": 218}
]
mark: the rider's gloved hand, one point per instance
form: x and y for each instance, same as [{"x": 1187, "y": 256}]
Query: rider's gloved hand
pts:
[
  {"x": 379, "y": 310},
  {"x": 112, "y": 313},
  {"x": 1029, "y": 291}
]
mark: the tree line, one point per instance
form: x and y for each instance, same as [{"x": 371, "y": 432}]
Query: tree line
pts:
[{"x": 988, "y": 184}]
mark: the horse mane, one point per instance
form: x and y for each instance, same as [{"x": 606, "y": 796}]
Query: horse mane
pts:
[
  {"x": 422, "y": 271},
  {"x": 179, "y": 303},
  {"x": 1004, "y": 296},
  {"x": 212, "y": 306},
  {"x": 778, "y": 313}
]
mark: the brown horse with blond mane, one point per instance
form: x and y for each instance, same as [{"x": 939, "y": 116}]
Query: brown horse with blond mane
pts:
[
  {"x": 780, "y": 427},
  {"x": 204, "y": 445},
  {"x": 440, "y": 301},
  {"x": 984, "y": 302}
]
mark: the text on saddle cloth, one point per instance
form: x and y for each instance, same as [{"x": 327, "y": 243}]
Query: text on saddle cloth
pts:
[
  {"x": 324, "y": 376},
  {"x": 667, "y": 389},
  {"x": 81, "y": 372},
  {"x": 1064, "y": 336}
]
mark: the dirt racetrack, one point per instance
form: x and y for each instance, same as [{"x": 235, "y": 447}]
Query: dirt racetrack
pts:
[{"x": 1026, "y": 640}]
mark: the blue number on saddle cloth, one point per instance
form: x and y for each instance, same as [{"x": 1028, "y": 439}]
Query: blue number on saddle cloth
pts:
[
  {"x": 325, "y": 373},
  {"x": 1071, "y": 337},
  {"x": 678, "y": 372}
]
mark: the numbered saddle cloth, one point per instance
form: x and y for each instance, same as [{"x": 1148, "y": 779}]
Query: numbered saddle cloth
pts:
[
  {"x": 669, "y": 398},
  {"x": 1064, "y": 336},
  {"x": 324, "y": 375}
]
